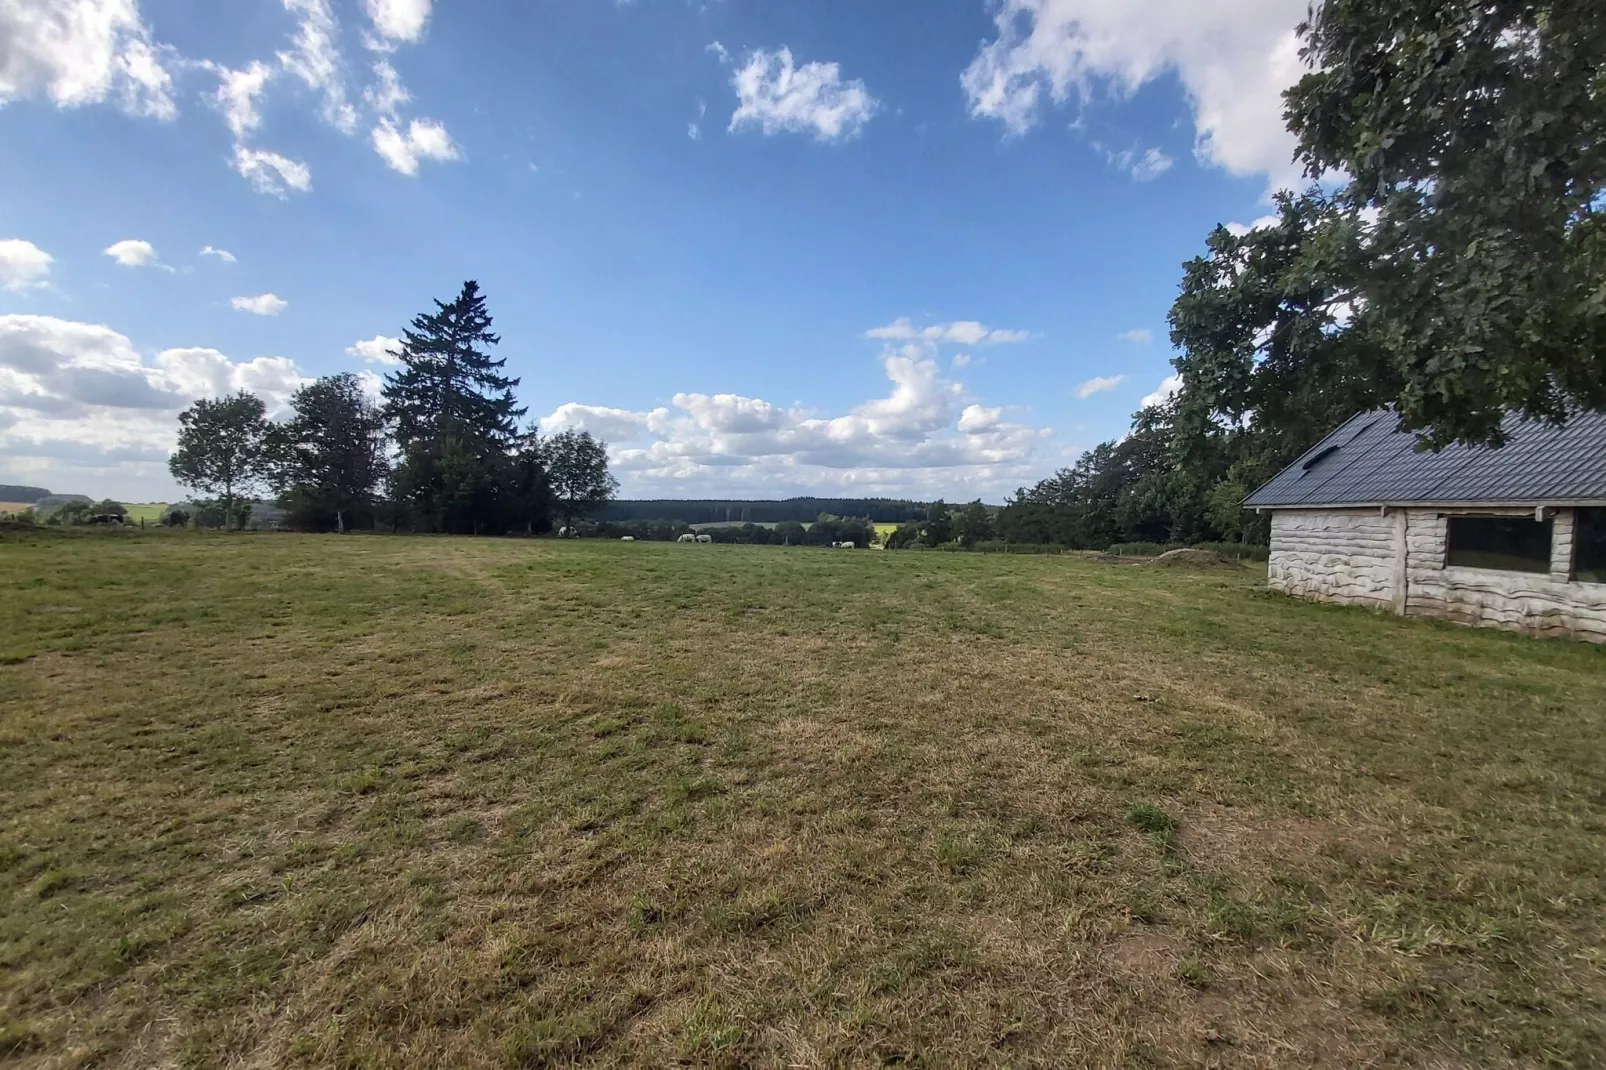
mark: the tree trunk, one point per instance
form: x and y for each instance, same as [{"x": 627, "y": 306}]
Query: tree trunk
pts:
[
  {"x": 340, "y": 521},
  {"x": 228, "y": 505}
]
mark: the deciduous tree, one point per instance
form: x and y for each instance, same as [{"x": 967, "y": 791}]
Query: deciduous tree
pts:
[
  {"x": 330, "y": 456},
  {"x": 1473, "y": 137},
  {"x": 577, "y": 470},
  {"x": 222, "y": 447}
]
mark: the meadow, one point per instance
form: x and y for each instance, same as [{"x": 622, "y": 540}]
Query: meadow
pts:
[{"x": 364, "y": 801}]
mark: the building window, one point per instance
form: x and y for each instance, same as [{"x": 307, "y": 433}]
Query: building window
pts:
[
  {"x": 1590, "y": 557},
  {"x": 1509, "y": 543}
]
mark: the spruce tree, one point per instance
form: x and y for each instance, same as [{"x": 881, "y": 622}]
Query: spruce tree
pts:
[{"x": 455, "y": 418}]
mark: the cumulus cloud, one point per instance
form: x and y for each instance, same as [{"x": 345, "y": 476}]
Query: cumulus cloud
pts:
[
  {"x": 1138, "y": 335},
  {"x": 132, "y": 253},
  {"x": 23, "y": 265},
  {"x": 925, "y": 437},
  {"x": 271, "y": 173},
  {"x": 78, "y": 52},
  {"x": 261, "y": 304},
  {"x": 380, "y": 349},
  {"x": 221, "y": 254},
  {"x": 396, "y": 21},
  {"x": 1163, "y": 393},
  {"x": 1098, "y": 384},
  {"x": 961, "y": 332},
  {"x": 777, "y": 96},
  {"x": 78, "y": 402},
  {"x": 424, "y": 139},
  {"x": 1238, "y": 230},
  {"x": 1233, "y": 61}
]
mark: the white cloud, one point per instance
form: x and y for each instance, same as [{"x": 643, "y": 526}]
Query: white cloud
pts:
[
  {"x": 315, "y": 58},
  {"x": 926, "y": 437},
  {"x": 239, "y": 94},
  {"x": 424, "y": 139},
  {"x": 1098, "y": 384},
  {"x": 1238, "y": 230},
  {"x": 778, "y": 97},
  {"x": 961, "y": 332},
  {"x": 387, "y": 95},
  {"x": 1163, "y": 393},
  {"x": 23, "y": 265},
  {"x": 80, "y": 408},
  {"x": 132, "y": 253},
  {"x": 261, "y": 304},
  {"x": 396, "y": 21},
  {"x": 271, "y": 173},
  {"x": 376, "y": 350},
  {"x": 1142, "y": 166},
  {"x": 960, "y": 360},
  {"x": 79, "y": 52},
  {"x": 1139, "y": 335},
  {"x": 1232, "y": 59},
  {"x": 222, "y": 254},
  {"x": 608, "y": 424}
]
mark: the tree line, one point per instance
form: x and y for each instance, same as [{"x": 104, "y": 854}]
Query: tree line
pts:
[
  {"x": 802, "y": 510},
  {"x": 441, "y": 451},
  {"x": 1457, "y": 273}
]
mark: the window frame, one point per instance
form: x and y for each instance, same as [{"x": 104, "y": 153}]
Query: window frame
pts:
[
  {"x": 1493, "y": 514},
  {"x": 1576, "y": 565}
]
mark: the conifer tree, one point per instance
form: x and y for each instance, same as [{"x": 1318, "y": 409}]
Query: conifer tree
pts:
[{"x": 455, "y": 418}]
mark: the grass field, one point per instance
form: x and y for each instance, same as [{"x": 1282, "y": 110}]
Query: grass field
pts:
[
  {"x": 150, "y": 512},
  {"x": 409, "y": 802}
]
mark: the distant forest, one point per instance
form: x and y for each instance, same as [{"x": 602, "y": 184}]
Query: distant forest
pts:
[{"x": 802, "y": 510}]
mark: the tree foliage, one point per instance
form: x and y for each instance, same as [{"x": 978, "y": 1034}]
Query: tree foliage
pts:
[
  {"x": 577, "y": 472},
  {"x": 222, "y": 447},
  {"x": 455, "y": 421},
  {"x": 1473, "y": 136},
  {"x": 329, "y": 458}
]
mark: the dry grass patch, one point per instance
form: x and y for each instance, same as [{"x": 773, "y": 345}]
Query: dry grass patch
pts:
[{"x": 393, "y": 802}]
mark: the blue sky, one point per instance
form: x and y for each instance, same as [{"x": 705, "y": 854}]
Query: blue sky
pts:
[{"x": 763, "y": 249}]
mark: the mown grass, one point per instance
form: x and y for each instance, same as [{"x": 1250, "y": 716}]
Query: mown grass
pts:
[{"x": 387, "y": 802}]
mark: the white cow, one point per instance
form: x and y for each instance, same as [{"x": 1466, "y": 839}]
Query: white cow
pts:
[
  {"x": 627, "y": 538},
  {"x": 705, "y": 538},
  {"x": 688, "y": 537}
]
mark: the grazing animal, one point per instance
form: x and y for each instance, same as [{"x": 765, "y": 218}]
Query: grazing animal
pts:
[
  {"x": 627, "y": 538},
  {"x": 688, "y": 537},
  {"x": 705, "y": 538}
]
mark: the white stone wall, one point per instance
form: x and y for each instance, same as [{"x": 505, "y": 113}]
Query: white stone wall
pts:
[
  {"x": 1352, "y": 556},
  {"x": 1334, "y": 555},
  {"x": 1491, "y": 598}
]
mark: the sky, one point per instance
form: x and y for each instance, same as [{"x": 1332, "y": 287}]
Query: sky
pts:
[{"x": 762, "y": 249}]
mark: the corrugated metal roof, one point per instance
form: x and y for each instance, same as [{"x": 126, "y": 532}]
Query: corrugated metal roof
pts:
[{"x": 1370, "y": 461}]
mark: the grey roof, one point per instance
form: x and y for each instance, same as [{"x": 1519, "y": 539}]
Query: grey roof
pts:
[{"x": 1370, "y": 461}]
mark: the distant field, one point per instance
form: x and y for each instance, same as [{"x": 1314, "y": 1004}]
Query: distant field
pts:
[
  {"x": 150, "y": 512},
  {"x": 384, "y": 802},
  {"x": 883, "y": 530},
  {"x": 14, "y": 507}
]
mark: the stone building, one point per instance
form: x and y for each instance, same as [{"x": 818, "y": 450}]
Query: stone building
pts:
[{"x": 1509, "y": 538}]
